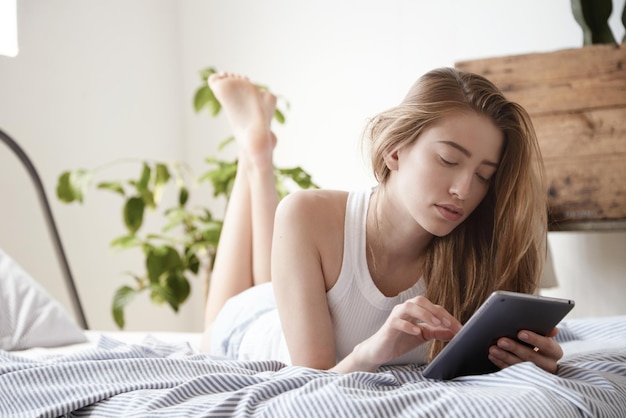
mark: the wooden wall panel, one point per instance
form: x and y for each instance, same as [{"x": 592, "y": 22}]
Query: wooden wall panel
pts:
[{"x": 577, "y": 101}]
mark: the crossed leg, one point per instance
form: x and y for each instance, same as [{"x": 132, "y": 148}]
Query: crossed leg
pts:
[{"x": 243, "y": 256}]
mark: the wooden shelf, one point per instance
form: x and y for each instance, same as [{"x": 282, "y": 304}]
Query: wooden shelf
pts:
[
  {"x": 607, "y": 225},
  {"x": 576, "y": 100}
]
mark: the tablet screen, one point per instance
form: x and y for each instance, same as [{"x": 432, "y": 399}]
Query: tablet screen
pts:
[{"x": 503, "y": 314}]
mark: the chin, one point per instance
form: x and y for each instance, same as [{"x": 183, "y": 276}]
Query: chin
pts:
[
  {"x": 442, "y": 234},
  {"x": 440, "y": 230}
]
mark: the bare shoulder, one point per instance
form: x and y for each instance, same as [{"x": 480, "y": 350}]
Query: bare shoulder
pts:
[
  {"x": 314, "y": 205},
  {"x": 312, "y": 222}
]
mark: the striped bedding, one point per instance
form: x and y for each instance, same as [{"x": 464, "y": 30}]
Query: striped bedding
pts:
[{"x": 156, "y": 378}]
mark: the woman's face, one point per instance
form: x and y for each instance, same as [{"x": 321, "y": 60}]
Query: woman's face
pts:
[{"x": 444, "y": 175}]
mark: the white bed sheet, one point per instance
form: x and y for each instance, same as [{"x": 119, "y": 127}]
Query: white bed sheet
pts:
[
  {"x": 156, "y": 375},
  {"x": 193, "y": 339},
  {"x": 129, "y": 337}
]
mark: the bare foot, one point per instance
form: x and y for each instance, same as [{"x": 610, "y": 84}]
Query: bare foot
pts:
[{"x": 249, "y": 110}]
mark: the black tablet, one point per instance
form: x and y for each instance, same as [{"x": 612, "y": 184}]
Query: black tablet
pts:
[{"x": 503, "y": 314}]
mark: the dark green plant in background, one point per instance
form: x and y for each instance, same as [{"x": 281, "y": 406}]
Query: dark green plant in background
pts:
[
  {"x": 189, "y": 239},
  {"x": 593, "y": 17}
]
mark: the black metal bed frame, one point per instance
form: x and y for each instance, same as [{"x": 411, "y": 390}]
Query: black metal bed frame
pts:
[{"x": 52, "y": 228}]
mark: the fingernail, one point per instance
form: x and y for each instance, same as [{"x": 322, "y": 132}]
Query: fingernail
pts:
[
  {"x": 447, "y": 322},
  {"x": 503, "y": 344},
  {"x": 523, "y": 336},
  {"x": 436, "y": 320}
]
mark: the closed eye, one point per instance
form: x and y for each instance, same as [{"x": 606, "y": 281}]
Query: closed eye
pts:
[
  {"x": 446, "y": 162},
  {"x": 483, "y": 179}
]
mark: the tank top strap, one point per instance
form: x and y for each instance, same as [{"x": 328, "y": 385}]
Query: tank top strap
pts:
[{"x": 353, "y": 243}]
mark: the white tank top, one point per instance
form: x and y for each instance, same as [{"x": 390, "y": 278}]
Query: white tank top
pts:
[{"x": 357, "y": 307}]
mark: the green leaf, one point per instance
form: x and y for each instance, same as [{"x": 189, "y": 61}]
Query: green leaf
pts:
[
  {"x": 593, "y": 16},
  {"x": 193, "y": 263},
  {"x": 211, "y": 232},
  {"x": 204, "y": 97},
  {"x": 222, "y": 177},
  {"x": 149, "y": 198},
  {"x": 160, "y": 260},
  {"x": 162, "y": 174},
  {"x": 121, "y": 299},
  {"x": 73, "y": 185},
  {"x": 176, "y": 217},
  {"x": 174, "y": 290},
  {"x": 183, "y": 196},
  {"x": 224, "y": 143},
  {"x": 161, "y": 179},
  {"x": 125, "y": 241},
  {"x": 279, "y": 116},
  {"x": 144, "y": 178},
  {"x": 299, "y": 176},
  {"x": 158, "y": 294},
  {"x": 206, "y": 215},
  {"x": 178, "y": 289},
  {"x": 114, "y": 186},
  {"x": 65, "y": 193},
  {"x": 206, "y": 73},
  {"x": 133, "y": 213}
]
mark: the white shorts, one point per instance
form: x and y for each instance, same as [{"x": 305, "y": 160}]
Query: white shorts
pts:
[{"x": 248, "y": 328}]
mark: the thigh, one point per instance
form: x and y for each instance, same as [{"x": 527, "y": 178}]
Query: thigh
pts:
[{"x": 237, "y": 315}]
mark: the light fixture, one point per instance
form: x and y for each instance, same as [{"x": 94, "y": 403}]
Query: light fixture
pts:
[{"x": 8, "y": 28}]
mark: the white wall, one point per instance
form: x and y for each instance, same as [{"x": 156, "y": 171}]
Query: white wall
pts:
[
  {"x": 94, "y": 81},
  {"x": 99, "y": 80}
]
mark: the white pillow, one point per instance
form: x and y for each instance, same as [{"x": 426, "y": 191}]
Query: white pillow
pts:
[{"x": 29, "y": 317}]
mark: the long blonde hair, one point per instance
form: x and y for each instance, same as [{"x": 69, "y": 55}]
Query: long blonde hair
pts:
[{"x": 502, "y": 244}]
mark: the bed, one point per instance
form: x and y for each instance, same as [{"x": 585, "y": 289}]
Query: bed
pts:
[
  {"x": 49, "y": 367},
  {"x": 52, "y": 365}
]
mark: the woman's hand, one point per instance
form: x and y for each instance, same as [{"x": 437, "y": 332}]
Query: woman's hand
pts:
[
  {"x": 543, "y": 351},
  {"x": 409, "y": 325}
]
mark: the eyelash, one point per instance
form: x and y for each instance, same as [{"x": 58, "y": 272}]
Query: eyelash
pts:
[
  {"x": 484, "y": 180},
  {"x": 446, "y": 162},
  {"x": 451, "y": 164}
]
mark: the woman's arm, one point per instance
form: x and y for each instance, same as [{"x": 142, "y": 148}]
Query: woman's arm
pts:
[{"x": 300, "y": 229}]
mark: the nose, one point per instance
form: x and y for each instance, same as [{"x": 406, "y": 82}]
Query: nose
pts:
[{"x": 461, "y": 186}]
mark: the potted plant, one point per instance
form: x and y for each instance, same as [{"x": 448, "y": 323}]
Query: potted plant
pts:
[
  {"x": 577, "y": 102},
  {"x": 187, "y": 242}
]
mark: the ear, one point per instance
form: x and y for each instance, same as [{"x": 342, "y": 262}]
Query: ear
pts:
[{"x": 391, "y": 159}]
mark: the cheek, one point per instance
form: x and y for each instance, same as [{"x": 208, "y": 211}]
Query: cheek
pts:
[
  {"x": 427, "y": 178},
  {"x": 427, "y": 168},
  {"x": 481, "y": 192}
]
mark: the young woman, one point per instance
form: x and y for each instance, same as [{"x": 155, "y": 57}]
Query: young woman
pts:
[{"x": 385, "y": 275}]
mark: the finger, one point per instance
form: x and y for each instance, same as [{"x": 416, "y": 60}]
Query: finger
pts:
[
  {"x": 437, "y": 333},
  {"x": 553, "y": 333},
  {"x": 405, "y": 326},
  {"x": 422, "y": 330},
  {"x": 432, "y": 314},
  {"x": 524, "y": 352},
  {"x": 546, "y": 345},
  {"x": 418, "y": 328},
  {"x": 501, "y": 357}
]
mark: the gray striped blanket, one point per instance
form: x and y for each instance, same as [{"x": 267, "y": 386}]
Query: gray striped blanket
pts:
[{"x": 160, "y": 379}]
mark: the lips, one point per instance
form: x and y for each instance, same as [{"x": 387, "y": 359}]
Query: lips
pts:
[{"x": 450, "y": 212}]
